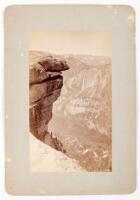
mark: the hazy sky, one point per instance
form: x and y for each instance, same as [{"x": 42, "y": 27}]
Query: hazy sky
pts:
[{"x": 72, "y": 42}]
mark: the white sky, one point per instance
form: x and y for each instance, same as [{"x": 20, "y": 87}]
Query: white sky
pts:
[{"x": 72, "y": 42}]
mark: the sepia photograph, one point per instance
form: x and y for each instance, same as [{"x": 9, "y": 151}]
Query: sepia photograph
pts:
[
  {"x": 70, "y": 100},
  {"x": 70, "y": 95}
]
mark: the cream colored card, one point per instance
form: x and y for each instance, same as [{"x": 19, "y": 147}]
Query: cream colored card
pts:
[{"x": 70, "y": 99}]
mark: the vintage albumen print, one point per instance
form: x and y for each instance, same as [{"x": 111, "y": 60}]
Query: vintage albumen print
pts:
[{"x": 70, "y": 101}]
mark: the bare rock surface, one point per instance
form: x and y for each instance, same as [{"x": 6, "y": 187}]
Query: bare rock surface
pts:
[
  {"x": 42, "y": 64},
  {"x": 46, "y": 81}
]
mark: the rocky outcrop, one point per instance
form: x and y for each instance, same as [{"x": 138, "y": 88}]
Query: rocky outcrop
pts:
[{"x": 45, "y": 84}]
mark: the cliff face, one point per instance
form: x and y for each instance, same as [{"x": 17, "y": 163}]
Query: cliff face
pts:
[{"x": 46, "y": 81}]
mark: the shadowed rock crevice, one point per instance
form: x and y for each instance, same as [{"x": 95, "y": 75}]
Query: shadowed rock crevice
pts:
[{"x": 46, "y": 81}]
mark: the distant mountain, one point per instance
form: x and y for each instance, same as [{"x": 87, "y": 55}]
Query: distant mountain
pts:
[{"x": 82, "y": 118}]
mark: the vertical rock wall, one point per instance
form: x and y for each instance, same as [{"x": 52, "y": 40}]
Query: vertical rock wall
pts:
[{"x": 46, "y": 81}]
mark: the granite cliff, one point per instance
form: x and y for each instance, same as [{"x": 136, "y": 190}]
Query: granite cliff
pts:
[{"x": 45, "y": 85}]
